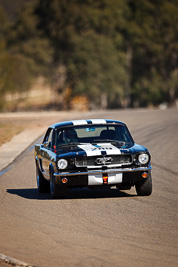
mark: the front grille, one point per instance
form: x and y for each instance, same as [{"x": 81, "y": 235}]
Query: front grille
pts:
[{"x": 107, "y": 160}]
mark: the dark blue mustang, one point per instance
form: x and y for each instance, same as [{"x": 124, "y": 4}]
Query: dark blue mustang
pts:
[{"x": 91, "y": 153}]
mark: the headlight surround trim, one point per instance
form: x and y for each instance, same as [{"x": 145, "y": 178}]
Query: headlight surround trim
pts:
[{"x": 62, "y": 164}]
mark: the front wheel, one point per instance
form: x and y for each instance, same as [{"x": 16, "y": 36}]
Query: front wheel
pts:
[
  {"x": 144, "y": 188},
  {"x": 42, "y": 183},
  {"x": 57, "y": 191}
]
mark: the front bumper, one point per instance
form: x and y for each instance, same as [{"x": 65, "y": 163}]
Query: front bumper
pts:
[
  {"x": 102, "y": 177},
  {"x": 107, "y": 171}
]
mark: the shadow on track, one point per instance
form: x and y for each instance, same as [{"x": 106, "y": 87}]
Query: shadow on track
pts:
[{"x": 84, "y": 193}]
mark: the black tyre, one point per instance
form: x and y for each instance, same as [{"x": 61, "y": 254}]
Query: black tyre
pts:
[
  {"x": 42, "y": 184},
  {"x": 57, "y": 191},
  {"x": 144, "y": 188}
]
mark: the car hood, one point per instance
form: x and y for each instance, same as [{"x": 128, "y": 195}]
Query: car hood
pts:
[{"x": 100, "y": 149}]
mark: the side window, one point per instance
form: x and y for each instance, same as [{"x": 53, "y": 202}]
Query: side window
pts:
[
  {"x": 123, "y": 134},
  {"x": 48, "y": 137}
]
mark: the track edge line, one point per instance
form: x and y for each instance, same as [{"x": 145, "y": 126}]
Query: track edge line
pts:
[{"x": 14, "y": 261}]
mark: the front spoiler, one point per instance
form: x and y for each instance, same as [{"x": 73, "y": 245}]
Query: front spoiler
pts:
[{"x": 95, "y": 172}]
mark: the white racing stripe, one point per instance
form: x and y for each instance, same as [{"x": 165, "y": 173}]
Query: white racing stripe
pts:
[
  {"x": 109, "y": 148},
  {"x": 115, "y": 178},
  {"x": 79, "y": 122},
  {"x": 84, "y": 122},
  {"x": 95, "y": 179},
  {"x": 98, "y": 121},
  {"x": 92, "y": 150}
]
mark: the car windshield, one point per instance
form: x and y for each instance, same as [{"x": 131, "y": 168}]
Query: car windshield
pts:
[{"x": 118, "y": 134}]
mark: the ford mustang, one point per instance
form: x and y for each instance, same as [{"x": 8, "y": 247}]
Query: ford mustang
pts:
[{"x": 94, "y": 153}]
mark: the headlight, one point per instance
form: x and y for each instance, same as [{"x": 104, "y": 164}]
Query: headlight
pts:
[
  {"x": 62, "y": 164},
  {"x": 143, "y": 158}
]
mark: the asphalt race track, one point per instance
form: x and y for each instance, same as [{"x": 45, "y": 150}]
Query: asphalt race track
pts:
[{"x": 99, "y": 227}]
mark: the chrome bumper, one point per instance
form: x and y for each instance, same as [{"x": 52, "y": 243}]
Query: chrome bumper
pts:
[{"x": 95, "y": 172}]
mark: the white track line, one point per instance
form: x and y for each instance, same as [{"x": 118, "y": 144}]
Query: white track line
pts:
[{"x": 14, "y": 261}]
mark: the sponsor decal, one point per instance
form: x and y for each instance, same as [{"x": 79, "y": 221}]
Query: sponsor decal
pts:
[
  {"x": 102, "y": 147},
  {"x": 97, "y": 150}
]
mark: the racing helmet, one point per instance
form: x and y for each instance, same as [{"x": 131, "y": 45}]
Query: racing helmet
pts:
[{"x": 70, "y": 135}]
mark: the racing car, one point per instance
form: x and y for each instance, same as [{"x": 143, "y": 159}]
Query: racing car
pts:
[{"x": 95, "y": 153}]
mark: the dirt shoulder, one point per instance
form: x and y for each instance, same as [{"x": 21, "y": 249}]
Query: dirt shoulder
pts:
[
  {"x": 12, "y": 124},
  {"x": 19, "y": 130}
]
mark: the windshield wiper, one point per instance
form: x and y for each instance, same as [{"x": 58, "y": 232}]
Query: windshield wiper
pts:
[
  {"x": 104, "y": 140},
  {"x": 72, "y": 144}
]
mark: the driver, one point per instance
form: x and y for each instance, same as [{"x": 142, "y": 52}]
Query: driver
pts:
[{"x": 70, "y": 135}]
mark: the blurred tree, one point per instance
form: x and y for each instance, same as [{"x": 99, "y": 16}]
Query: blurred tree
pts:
[
  {"x": 153, "y": 35},
  {"x": 12, "y": 7},
  {"x": 167, "y": 40},
  {"x": 85, "y": 39},
  {"x": 93, "y": 69},
  {"x": 115, "y": 53},
  {"x": 4, "y": 73},
  {"x": 24, "y": 39},
  {"x": 24, "y": 55},
  {"x": 3, "y": 23}
]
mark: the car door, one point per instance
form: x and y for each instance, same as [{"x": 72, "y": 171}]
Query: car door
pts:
[{"x": 47, "y": 153}]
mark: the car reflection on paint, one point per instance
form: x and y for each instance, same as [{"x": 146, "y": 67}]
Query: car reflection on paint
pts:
[{"x": 94, "y": 153}]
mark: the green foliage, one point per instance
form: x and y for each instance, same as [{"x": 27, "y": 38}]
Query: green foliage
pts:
[
  {"x": 117, "y": 53},
  {"x": 24, "y": 54},
  {"x": 25, "y": 39},
  {"x": 86, "y": 39},
  {"x": 3, "y": 23},
  {"x": 14, "y": 75},
  {"x": 153, "y": 35},
  {"x": 94, "y": 68}
]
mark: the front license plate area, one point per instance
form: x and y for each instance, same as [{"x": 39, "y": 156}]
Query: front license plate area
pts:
[{"x": 101, "y": 179}]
